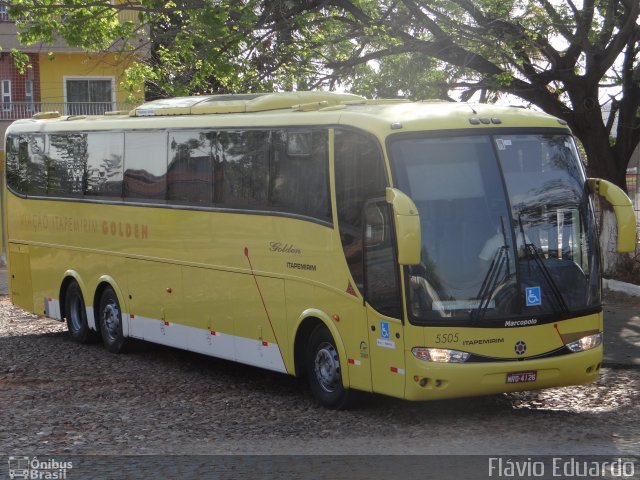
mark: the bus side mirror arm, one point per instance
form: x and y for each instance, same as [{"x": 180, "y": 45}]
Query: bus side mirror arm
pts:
[
  {"x": 623, "y": 209},
  {"x": 407, "y": 224}
]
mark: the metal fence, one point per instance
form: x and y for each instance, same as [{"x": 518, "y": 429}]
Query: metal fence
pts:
[{"x": 17, "y": 110}]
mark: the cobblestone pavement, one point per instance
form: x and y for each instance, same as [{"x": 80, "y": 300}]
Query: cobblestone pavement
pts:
[
  {"x": 622, "y": 329},
  {"x": 59, "y": 397}
]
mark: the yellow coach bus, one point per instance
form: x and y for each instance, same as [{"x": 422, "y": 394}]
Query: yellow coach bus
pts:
[{"x": 420, "y": 250}]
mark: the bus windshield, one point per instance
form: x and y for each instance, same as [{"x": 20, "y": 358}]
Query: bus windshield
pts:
[{"x": 508, "y": 230}]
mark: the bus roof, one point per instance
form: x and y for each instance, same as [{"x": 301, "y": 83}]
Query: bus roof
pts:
[{"x": 380, "y": 117}]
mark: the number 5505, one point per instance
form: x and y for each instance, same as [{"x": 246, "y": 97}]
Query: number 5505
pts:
[{"x": 447, "y": 338}]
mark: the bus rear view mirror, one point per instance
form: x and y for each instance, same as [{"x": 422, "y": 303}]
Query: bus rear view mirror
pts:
[
  {"x": 407, "y": 222},
  {"x": 623, "y": 209}
]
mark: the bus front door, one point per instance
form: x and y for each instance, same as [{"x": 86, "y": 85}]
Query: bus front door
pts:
[{"x": 384, "y": 301}]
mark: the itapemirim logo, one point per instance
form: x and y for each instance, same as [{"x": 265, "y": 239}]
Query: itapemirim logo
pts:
[{"x": 33, "y": 468}]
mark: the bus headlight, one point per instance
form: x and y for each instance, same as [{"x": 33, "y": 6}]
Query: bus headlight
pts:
[
  {"x": 585, "y": 343},
  {"x": 439, "y": 355}
]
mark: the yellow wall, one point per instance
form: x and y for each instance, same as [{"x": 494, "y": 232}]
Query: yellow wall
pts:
[{"x": 53, "y": 71}]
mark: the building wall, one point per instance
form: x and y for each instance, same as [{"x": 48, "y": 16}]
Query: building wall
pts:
[
  {"x": 8, "y": 71},
  {"x": 53, "y": 73}
]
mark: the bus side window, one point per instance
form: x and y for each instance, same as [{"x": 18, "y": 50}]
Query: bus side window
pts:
[
  {"x": 145, "y": 175},
  {"x": 359, "y": 176},
  {"x": 243, "y": 168},
  {"x": 190, "y": 171},
  {"x": 17, "y": 158},
  {"x": 36, "y": 165},
  {"x": 66, "y": 164},
  {"x": 299, "y": 179},
  {"x": 104, "y": 165}
]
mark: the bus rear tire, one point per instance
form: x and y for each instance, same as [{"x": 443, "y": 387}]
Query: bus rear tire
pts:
[
  {"x": 110, "y": 319},
  {"x": 76, "y": 314},
  {"x": 324, "y": 371}
]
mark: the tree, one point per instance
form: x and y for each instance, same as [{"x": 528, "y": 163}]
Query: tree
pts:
[
  {"x": 568, "y": 58},
  {"x": 190, "y": 47}
]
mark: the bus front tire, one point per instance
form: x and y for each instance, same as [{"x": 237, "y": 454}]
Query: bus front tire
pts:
[
  {"x": 76, "y": 314},
  {"x": 110, "y": 318},
  {"x": 324, "y": 371}
]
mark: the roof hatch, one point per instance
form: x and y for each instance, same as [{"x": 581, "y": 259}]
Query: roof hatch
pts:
[{"x": 242, "y": 103}]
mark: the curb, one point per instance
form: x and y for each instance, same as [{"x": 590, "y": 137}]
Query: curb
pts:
[{"x": 617, "y": 286}]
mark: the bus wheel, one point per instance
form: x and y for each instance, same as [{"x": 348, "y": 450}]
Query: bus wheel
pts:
[
  {"x": 324, "y": 371},
  {"x": 76, "y": 314},
  {"x": 110, "y": 319}
]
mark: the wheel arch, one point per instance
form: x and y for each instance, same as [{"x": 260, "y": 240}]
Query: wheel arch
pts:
[
  {"x": 69, "y": 277},
  {"x": 308, "y": 321}
]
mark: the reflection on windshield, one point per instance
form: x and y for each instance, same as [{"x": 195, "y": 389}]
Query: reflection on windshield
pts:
[
  {"x": 490, "y": 253},
  {"x": 548, "y": 200}
]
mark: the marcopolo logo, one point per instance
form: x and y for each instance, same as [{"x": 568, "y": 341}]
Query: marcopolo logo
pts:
[{"x": 33, "y": 468}]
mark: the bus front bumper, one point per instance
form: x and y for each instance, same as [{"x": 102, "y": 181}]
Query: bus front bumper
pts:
[{"x": 432, "y": 381}]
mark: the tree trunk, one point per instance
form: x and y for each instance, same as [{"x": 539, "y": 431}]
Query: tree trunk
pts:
[{"x": 602, "y": 161}]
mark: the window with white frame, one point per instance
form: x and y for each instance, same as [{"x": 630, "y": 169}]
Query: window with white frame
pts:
[
  {"x": 4, "y": 15},
  {"x": 28, "y": 95},
  {"x": 6, "y": 95},
  {"x": 89, "y": 96}
]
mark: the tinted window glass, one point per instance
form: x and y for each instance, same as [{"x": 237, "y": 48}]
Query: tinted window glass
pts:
[
  {"x": 145, "y": 176},
  {"x": 550, "y": 209},
  {"x": 280, "y": 170},
  {"x": 17, "y": 151},
  {"x": 36, "y": 166},
  {"x": 467, "y": 267},
  {"x": 104, "y": 164},
  {"x": 66, "y": 164},
  {"x": 299, "y": 179},
  {"x": 381, "y": 272},
  {"x": 190, "y": 172},
  {"x": 244, "y": 167},
  {"x": 360, "y": 175}
]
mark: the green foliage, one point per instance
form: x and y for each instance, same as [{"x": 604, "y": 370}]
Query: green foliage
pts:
[
  {"x": 93, "y": 27},
  {"x": 422, "y": 78},
  {"x": 21, "y": 60}
]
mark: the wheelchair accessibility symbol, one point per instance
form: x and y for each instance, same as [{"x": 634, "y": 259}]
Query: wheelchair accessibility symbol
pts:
[
  {"x": 534, "y": 296},
  {"x": 384, "y": 330}
]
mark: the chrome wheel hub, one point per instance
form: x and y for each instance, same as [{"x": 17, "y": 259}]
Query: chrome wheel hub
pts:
[
  {"x": 327, "y": 368},
  {"x": 111, "y": 316}
]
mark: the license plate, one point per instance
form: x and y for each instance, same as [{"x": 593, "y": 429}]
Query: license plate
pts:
[{"x": 522, "y": 377}]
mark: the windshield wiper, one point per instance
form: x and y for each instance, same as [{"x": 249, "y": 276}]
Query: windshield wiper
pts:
[
  {"x": 556, "y": 293},
  {"x": 553, "y": 286},
  {"x": 493, "y": 278}
]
